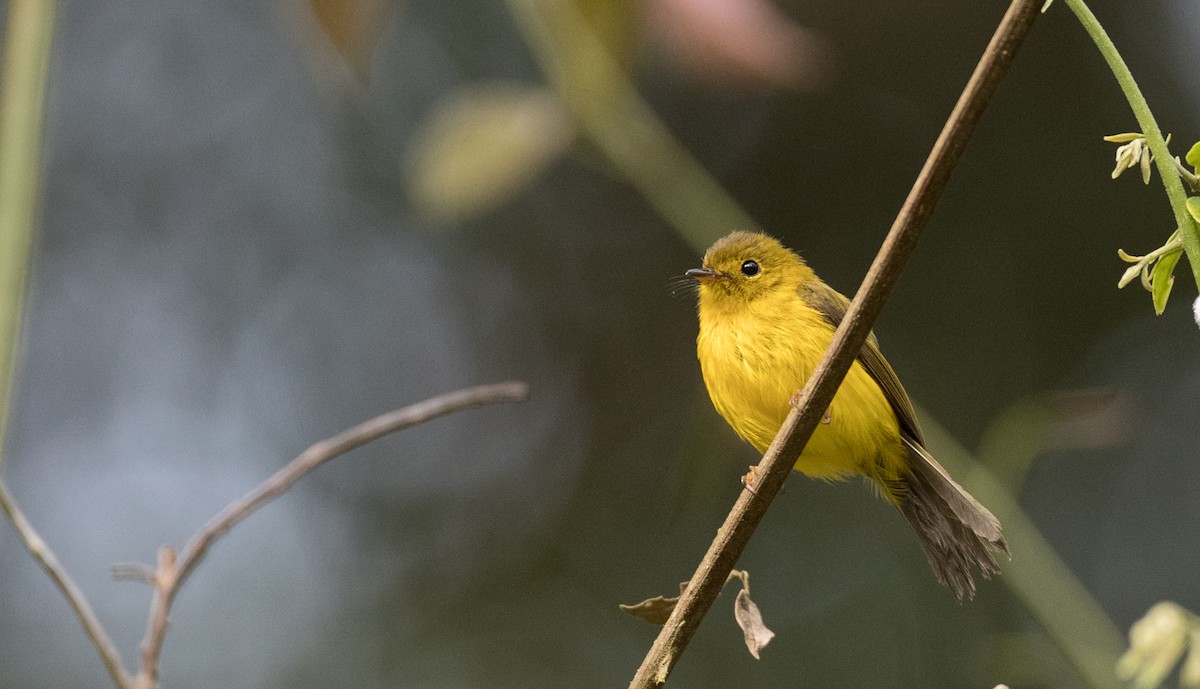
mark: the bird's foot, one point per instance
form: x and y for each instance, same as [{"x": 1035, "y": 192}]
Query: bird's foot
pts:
[
  {"x": 750, "y": 478},
  {"x": 795, "y": 402}
]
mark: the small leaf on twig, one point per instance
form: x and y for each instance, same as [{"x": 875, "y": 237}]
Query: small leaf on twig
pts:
[
  {"x": 1123, "y": 138},
  {"x": 1193, "y": 207},
  {"x": 749, "y": 618},
  {"x": 1133, "y": 153},
  {"x": 654, "y": 610},
  {"x": 1193, "y": 155},
  {"x": 1130, "y": 273},
  {"x": 1161, "y": 280}
]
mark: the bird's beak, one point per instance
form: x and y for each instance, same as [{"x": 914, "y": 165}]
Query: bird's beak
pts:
[{"x": 701, "y": 274}]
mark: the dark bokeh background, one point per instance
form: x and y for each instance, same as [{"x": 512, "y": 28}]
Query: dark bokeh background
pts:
[{"x": 230, "y": 266}]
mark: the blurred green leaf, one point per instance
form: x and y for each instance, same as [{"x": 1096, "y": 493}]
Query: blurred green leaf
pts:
[
  {"x": 1124, "y": 138},
  {"x": 1161, "y": 279},
  {"x": 1156, "y": 644},
  {"x": 1193, "y": 207},
  {"x": 28, "y": 43},
  {"x": 1189, "y": 671},
  {"x": 1193, "y": 155},
  {"x": 483, "y": 145},
  {"x": 617, "y": 23}
]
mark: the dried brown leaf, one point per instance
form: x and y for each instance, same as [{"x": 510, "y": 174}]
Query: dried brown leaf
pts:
[
  {"x": 653, "y": 610},
  {"x": 749, "y": 618}
]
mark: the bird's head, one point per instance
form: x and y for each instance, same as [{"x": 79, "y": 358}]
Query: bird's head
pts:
[{"x": 743, "y": 267}]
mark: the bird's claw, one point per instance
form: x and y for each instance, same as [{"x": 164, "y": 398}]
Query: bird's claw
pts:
[
  {"x": 795, "y": 402},
  {"x": 749, "y": 479}
]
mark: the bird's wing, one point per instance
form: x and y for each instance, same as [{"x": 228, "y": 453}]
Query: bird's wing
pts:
[{"x": 832, "y": 305}]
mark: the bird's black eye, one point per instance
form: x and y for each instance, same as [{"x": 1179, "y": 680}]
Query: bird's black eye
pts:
[{"x": 750, "y": 268}]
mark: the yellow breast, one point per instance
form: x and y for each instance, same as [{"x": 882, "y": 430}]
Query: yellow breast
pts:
[{"x": 755, "y": 358}]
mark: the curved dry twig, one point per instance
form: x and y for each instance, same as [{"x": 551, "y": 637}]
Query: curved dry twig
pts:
[
  {"x": 172, "y": 572},
  {"x": 41, "y": 552}
]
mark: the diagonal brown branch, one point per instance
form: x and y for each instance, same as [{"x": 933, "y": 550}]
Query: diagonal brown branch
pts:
[
  {"x": 170, "y": 574},
  {"x": 750, "y": 507},
  {"x": 75, "y": 598}
]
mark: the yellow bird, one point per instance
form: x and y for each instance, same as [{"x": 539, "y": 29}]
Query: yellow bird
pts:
[{"x": 765, "y": 321}]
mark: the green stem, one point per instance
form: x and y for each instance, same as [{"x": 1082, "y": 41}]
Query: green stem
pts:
[
  {"x": 26, "y": 64},
  {"x": 1141, "y": 110},
  {"x": 608, "y": 109},
  {"x": 1036, "y": 574}
]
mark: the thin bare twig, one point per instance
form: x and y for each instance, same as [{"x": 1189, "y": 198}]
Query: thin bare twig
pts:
[
  {"x": 171, "y": 573},
  {"x": 41, "y": 552},
  {"x": 750, "y": 507}
]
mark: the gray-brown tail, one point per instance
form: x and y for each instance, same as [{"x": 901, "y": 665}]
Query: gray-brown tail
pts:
[{"x": 957, "y": 533}]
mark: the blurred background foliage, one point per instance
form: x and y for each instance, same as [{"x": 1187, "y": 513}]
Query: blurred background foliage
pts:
[{"x": 264, "y": 222}]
